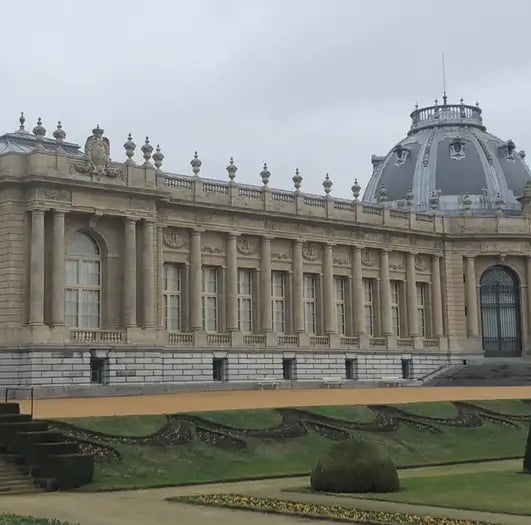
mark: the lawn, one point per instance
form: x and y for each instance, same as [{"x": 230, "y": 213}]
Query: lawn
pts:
[
  {"x": 199, "y": 460},
  {"x": 495, "y": 491}
]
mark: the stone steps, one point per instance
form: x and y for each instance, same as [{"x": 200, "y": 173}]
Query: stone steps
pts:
[{"x": 13, "y": 481}]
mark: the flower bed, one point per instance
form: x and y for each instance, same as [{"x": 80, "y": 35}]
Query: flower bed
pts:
[
  {"x": 12, "y": 519},
  {"x": 311, "y": 510}
]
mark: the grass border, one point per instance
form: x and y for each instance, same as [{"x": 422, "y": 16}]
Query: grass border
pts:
[{"x": 87, "y": 488}]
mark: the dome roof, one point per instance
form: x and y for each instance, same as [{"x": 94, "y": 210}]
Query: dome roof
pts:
[{"x": 448, "y": 161}]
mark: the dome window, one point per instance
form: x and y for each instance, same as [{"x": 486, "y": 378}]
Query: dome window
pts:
[
  {"x": 401, "y": 154},
  {"x": 457, "y": 148}
]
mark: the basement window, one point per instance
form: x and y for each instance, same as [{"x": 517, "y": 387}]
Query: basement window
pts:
[{"x": 99, "y": 370}]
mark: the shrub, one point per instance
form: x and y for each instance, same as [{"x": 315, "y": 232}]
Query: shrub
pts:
[
  {"x": 527, "y": 455},
  {"x": 355, "y": 466}
]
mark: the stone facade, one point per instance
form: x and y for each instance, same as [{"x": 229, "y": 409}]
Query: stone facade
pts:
[{"x": 271, "y": 283}]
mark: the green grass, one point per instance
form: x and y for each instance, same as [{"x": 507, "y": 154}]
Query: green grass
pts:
[
  {"x": 495, "y": 491},
  {"x": 245, "y": 419},
  {"x": 120, "y": 425},
  {"x": 360, "y": 414},
  {"x": 438, "y": 410},
  {"x": 505, "y": 406},
  {"x": 196, "y": 462}
]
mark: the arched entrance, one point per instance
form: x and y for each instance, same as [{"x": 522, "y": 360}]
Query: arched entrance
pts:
[{"x": 500, "y": 312}]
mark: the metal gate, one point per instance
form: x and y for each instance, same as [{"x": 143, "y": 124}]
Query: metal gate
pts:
[{"x": 500, "y": 313}]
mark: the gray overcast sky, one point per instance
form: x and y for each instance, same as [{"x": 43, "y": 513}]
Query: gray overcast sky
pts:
[{"x": 314, "y": 84}]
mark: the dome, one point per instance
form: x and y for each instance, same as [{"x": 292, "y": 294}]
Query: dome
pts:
[{"x": 449, "y": 162}]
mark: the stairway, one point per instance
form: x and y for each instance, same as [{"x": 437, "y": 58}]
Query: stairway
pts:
[{"x": 13, "y": 481}]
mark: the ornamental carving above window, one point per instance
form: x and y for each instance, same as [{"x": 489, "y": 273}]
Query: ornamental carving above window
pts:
[{"x": 311, "y": 251}]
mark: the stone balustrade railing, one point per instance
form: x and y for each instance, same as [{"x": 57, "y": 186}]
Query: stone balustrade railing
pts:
[
  {"x": 295, "y": 203},
  {"x": 238, "y": 340}
]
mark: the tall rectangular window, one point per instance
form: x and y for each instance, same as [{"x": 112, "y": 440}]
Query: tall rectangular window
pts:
[
  {"x": 340, "y": 305},
  {"x": 209, "y": 299},
  {"x": 421, "y": 308},
  {"x": 395, "y": 306},
  {"x": 172, "y": 297},
  {"x": 368, "y": 296},
  {"x": 310, "y": 288},
  {"x": 278, "y": 302},
  {"x": 351, "y": 368},
  {"x": 245, "y": 301}
]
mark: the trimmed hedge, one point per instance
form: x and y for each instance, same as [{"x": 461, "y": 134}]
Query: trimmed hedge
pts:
[
  {"x": 68, "y": 470},
  {"x": 355, "y": 466},
  {"x": 527, "y": 456}
]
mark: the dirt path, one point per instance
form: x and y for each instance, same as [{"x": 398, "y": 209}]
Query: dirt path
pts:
[
  {"x": 227, "y": 400},
  {"x": 149, "y": 506}
]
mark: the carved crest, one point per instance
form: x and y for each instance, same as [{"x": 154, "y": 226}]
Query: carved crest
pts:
[
  {"x": 97, "y": 157},
  {"x": 173, "y": 239},
  {"x": 310, "y": 251},
  {"x": 245, "y": 247},
  {"x": 368, "y": 258},
  {"x": 421, "y": 263}
]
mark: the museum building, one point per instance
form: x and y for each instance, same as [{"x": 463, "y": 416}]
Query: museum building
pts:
[{"x": 119, "y": 275}]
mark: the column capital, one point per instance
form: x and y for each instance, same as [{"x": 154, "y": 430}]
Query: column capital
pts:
[
  {"x": 357, "y": 247},
  {"x": 267, "y": 237},
  {"x": 234, "y": 235},
  {"x": 198, "y": 231},
  {"x": 130, "y": 220},
  {"x": 37, "y": 210}
]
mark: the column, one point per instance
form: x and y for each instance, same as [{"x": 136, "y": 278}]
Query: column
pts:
[
  {"x": 58, "y": 269},
  {"x": 529, "y": 295},
  {"x": 385, "y": 294},
  {"x": 36, "y": 299},
  {"x": 148, "y": 275},
  {"x": 130, "y": 273},
  {"x": 328, "y": 290},
  {"x": 232, "y": 283},
  {"x": 412, "y": 314},
  {"x": 357, "y": 292},
  {"x": 265, "y": 285},
  {"x": 436, "y": 297},
  {"x": 196, "y": 282},
  {"x": 298, "y": 288},
  {"x": 471, "y": 297}
]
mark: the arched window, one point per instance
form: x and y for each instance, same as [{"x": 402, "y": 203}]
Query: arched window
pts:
[
  {"x": 500, "y": 312},
  {"x": 83, "y": 282}
]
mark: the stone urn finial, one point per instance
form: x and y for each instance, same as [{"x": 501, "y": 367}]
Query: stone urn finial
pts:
[
  {"x": 196, "y": 165},
  {"x": 265, "y": 174},
  {"x": 158, "y": 157},
  {"x": 147, "y": 150},
  {"x": 130, "y": 147},
  {"x": 297, "y": 180},
  {"x": 356, "y": 189},
  {"x": 59, "y": 135},
  {"x": 232, "y": 169},
  {"x": 327, "y": 185}
]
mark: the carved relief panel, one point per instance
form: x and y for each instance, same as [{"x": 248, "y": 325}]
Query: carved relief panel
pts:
[
  {"x": 175, "y": 239},
  {"x": 396, "y": 261}
]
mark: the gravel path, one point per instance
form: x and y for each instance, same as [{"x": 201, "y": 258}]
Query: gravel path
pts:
[{"x": 231, "y": 400}]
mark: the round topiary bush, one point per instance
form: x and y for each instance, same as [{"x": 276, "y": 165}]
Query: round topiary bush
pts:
[{"x": 355, "y": 466}]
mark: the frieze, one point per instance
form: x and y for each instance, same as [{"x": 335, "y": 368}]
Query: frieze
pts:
[
  {"x": 396, "y": 261},
  {"x": 173, "y": 239},
  {"x": 212, "y": 250},
  {"x": 56, "y": 194},
  {"x": 280, "y": 256},
  {"x": 139, "y": 204},
  {"x": 245, "y": 247},
  {"x": 342, "y": 261}
]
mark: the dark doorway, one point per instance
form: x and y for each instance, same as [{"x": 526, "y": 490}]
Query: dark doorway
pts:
[{"x": 500, "y": 313}]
